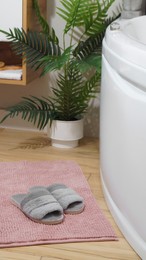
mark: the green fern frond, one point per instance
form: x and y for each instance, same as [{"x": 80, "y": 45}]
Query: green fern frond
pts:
[
  {"x": 89, "y": 46},
  {"x": 42, "y": 21},
  {"x": 69, "y": 101},
  {"x": 65, "y": 96},
  {"x": 50, "y": 32},
  {"x": 75, "y": 11},
  {"x": 90, "y": 88},
  {"x": 73, "y": 93},
  {"x": 89, "y": 14},
  {"x": 34, "y": 110},
  {"x": 55, "y": 63},
  {"x": 89, "y": 63},
  {"x": 33, "y": 46},
  {"x": 93, "y": 44},
  {"x": 96, "y": 24}
]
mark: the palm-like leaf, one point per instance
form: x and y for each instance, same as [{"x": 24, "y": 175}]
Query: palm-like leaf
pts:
[
  {"x": 65, "y": 96},
  {"x": 69, "y": 101},
  {"x": 96, "y": 24},
  {"x": 89, "y": 14},
  {"x": 55, "y": 63},
  {"x": 34, "y": 110},
  {"x": 90, "y": 88},
  {"x": 89, "y": 63},
  {"x": 89, "y": 46},
  {"x": 44, "y": 24},
  {"x": 75, "y": 11},
  {"x": 33, "y": 46},
  {"x": 89, "y": 51},
  {"x": 73, "y": 93}
]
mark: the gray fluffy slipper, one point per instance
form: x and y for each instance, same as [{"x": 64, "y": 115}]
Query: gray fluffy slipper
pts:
[
  {"x": 40, "y": 206},
  {"x": 69, "y": 199}
]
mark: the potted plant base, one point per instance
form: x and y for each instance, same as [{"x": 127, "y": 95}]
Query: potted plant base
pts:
[{"x": 65, "y": 134}]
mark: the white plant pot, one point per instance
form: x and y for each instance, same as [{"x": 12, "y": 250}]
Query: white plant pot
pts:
[{"x": 65, "y": 134}]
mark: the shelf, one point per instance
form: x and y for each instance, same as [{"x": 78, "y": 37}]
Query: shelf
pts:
[{"x": 26, "y": 20}]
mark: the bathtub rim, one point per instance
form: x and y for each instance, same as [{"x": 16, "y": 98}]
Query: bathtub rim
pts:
[{"x": 121, "y": 44}]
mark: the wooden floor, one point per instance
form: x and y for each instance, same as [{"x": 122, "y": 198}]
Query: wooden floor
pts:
[{"x": 18, "y": 145}]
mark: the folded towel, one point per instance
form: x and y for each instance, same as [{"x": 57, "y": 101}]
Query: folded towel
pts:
[{"x": 11, "y": 74}]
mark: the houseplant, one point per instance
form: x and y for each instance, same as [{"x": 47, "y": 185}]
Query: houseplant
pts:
[{"x": 78, "y": 62}]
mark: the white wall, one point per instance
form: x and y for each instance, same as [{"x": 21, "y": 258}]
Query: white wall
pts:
[
  {"x": 14, "y": 20},
  {"x": 11, "y": 94}
]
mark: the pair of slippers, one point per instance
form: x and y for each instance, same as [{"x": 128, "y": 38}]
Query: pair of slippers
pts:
[{"x": 47, "y": 205}]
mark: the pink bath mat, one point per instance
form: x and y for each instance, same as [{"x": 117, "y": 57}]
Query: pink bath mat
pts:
[{"x": 17, "y": 230}]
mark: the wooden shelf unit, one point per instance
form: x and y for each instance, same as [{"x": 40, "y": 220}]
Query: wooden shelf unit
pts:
[{"x": 29, "y": 21}]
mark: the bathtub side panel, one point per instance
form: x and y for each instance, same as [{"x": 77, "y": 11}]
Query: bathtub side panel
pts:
[{"x": 123, "y": 146}]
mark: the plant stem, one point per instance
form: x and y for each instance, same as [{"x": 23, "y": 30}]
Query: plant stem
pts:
[
  {"x": 71, "y": 37},
  {"x": 64, "y": 68}
]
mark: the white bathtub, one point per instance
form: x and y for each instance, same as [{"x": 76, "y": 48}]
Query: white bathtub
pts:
[{"x": 123, "y": 128}]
